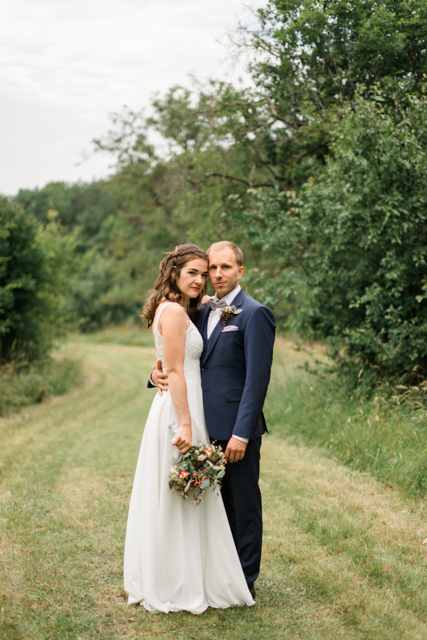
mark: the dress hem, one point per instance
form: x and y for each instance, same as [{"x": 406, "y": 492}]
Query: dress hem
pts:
[{"x": 197, "y": 612}]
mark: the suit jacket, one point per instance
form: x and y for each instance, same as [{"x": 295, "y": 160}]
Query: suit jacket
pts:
[{"x": 235, "y": 368}]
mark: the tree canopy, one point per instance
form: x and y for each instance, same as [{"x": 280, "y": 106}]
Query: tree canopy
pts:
[{"x": 35, "y": 262}]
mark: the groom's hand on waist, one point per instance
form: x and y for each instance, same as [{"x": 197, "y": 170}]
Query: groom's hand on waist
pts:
[
  {"x": 159, "y": 378},
  {"x": 235, "y": 450}
]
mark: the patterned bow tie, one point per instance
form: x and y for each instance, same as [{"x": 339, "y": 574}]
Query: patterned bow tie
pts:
[{"x": 217, "y": 304}]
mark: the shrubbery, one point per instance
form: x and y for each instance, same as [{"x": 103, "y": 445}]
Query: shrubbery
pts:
[
  {"x": 355, "y": 240},
  {"x": 23, "y": 384},
  {"x": 367, "y": 243},
  {"x": 35, "y": 267},
  {"x": 383, "y": 434}
]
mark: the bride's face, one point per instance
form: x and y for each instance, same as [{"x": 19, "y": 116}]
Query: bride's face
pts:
[{"x": 192, "y": 277}]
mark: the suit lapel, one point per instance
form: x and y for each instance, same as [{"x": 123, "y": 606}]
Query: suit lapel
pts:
[
  {"x": 203, "y": 325},
  {"x": 237, "y": 302},
  {"x": 212, "y": 340}
]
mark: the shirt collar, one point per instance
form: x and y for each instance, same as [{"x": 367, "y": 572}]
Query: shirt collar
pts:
[{"x": 228, "y": 299}]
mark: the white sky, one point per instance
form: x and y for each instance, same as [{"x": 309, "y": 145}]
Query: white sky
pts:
[{"x": 66, "y": 64}]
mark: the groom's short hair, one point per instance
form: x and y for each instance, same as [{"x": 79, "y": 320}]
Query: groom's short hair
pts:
[{"x": 225, "y": 243}]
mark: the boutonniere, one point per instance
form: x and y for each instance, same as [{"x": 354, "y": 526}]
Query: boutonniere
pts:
[{"x": 228, "y": 313}]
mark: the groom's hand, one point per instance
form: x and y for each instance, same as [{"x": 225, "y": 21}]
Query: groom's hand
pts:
[
  {"x": 235, "y": 450},
  {"x": 159, "y": 378}
]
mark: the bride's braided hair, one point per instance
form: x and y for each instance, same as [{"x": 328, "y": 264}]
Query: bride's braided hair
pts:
[{"x": 165, "y": 286}]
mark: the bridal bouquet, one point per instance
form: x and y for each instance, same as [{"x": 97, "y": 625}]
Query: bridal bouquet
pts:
[{"x": 197, "y": 470}]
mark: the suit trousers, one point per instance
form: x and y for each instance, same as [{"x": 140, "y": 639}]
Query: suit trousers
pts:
[{"x": 242, "y": 501}]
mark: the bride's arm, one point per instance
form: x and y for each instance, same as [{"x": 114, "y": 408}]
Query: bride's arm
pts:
[{"x": 173, "y": 326}]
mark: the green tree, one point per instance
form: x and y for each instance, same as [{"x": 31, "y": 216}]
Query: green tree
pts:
[
  {"x": 307, "y": 59},
  {"x": 319, "y": 52},
  {"x": 92, "y": 215},
  {"x": 80, "y": 206},
  {"x": 355, "y": 238},
  {"x": 35, "y": 263}
]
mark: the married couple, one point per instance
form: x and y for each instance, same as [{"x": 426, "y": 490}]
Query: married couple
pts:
[{"x": 213, "y": 371}]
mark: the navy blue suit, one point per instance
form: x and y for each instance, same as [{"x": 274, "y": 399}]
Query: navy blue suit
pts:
[
  {"x": 235, "y": 375},
  {"x": 235, "y": 368}
]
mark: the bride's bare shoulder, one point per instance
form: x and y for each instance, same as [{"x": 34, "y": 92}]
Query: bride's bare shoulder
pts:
[
  {"x": 173, "y": 308},
  {"x": 172, "y": 314}
]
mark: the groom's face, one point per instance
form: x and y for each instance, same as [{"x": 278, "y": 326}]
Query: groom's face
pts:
[{"x": 224, "y": 271}]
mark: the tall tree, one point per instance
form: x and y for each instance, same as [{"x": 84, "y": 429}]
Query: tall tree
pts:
[
  {"x": 353, "y": 241},
  {"x": 35, "y": 264}
]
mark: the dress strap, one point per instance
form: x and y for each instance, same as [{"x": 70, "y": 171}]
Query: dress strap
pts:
[{"x": 160, "y": 313}]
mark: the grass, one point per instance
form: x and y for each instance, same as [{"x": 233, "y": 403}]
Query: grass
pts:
[
  {"x": 125, "y": 334},
  {"x": 31, "y": 384},
  {"x": 343, "y": 554},
  {"x": 380, "y": 434}
]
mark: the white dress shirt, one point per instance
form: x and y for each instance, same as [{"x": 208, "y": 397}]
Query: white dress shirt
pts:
[
  {"x": 213, "y": 320},
  {"x": 215, "y": 315}
]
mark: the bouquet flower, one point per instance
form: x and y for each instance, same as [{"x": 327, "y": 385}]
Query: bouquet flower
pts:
[{"x": 201, "y": 467}]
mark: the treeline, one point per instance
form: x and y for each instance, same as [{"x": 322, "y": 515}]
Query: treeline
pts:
[
  {"x": 114, "y": 234},
  {"x": 317, "y": 169}
]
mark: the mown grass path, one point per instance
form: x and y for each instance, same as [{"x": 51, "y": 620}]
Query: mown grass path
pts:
[{"x": 343, "y": 555}]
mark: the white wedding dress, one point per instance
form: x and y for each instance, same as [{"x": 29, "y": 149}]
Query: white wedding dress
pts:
[{"x": 178, "y": 556}]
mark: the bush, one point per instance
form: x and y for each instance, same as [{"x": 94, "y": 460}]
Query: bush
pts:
[
  {"x": 35, "y": 266},
  {"x": 23, "y": 384},
  {"x": 383, "y": 434},
  {"x": 355, "y": 240},
  {"x": 368, "y": 273}
]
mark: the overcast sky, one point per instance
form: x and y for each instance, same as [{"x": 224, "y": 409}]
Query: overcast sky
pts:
[{"x": 67, "y": 64}]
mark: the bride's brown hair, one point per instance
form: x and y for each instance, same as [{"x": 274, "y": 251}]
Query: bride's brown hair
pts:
[{"x": 165, "y": 286}]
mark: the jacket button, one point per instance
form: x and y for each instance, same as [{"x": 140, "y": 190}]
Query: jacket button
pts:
[{"x": 203, "y": 369}]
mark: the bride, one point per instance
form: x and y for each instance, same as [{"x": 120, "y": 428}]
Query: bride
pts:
[{"x": 178, "y": 556}]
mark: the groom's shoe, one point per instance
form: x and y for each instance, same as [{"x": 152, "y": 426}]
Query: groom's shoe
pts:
[{"x": 252, "y": 592}]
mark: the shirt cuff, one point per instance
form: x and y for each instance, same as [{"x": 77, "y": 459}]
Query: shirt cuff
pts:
[
  {"x": 242, "y": 439},
  {"x": 151, "y": 379}
]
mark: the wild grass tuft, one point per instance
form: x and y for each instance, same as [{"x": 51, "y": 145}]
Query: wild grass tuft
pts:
[
  {"x": 23, "y": 384},
  {"x": 382, "y": 433}
]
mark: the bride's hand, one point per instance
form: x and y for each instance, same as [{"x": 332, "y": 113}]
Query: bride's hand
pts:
[
  {"x": 206, "y": 299},
  {"x": 182, "y": 439}
]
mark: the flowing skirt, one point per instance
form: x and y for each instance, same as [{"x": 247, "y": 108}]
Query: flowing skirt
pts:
[{"x": 178, "y": 555}]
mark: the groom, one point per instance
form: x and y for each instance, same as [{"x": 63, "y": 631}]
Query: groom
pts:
[{"x": 235, "y": 367}]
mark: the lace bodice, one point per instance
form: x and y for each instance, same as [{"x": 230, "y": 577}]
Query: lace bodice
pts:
[{"x": 193, "y": 351}]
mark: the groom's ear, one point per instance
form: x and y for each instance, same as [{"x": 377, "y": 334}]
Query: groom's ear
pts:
[{"x": 241, "y": 271}]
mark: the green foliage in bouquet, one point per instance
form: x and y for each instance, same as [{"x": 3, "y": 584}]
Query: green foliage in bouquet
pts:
[{"x": 198, "y": 469}]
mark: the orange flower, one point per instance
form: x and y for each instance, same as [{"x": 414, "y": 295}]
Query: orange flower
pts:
[
  {"x": 182, "y": 474},
  {"x": 208, "y": 452}
]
